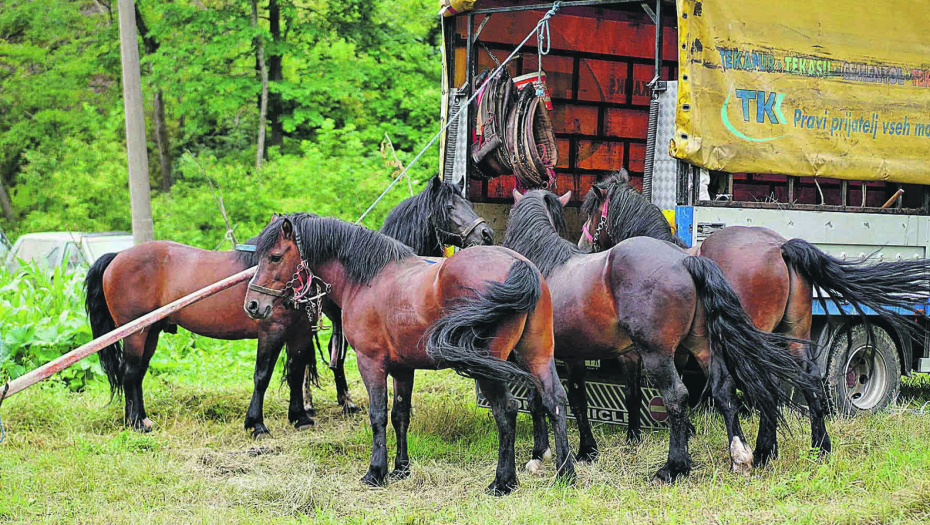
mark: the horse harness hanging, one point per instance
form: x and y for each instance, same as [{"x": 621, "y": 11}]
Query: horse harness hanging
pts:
[
  {"x": 305, "y": 288},
  {"x": 601, "y": 224}
]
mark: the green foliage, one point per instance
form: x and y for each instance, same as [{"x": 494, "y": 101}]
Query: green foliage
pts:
[
  {"x": 351, "y": 72},
  {"x": 42, "y": 316}
]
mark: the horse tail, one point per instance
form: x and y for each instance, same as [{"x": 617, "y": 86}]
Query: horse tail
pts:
[
  {"x": 101, "y": 322},
  {"x": 757, "y": 359},
  {"x": 882, "y": 287},
  {"x": 459, "y": 339}
]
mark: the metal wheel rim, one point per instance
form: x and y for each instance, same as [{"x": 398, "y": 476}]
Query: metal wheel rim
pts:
[{"x": 865, "y": 377}]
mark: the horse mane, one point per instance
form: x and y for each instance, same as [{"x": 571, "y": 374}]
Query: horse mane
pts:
[
  {"x": 413, "y": 221},
  {"x": 362, "y": 252},
  {"x": 250, "y": 259},
  {"x": 530, "y": 233},
  {"x": 629, "y": 214}
]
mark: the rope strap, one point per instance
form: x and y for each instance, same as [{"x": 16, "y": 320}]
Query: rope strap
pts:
[{"x": 536, "y": 31}]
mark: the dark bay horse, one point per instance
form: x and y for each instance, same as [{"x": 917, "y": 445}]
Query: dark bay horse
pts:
[
  {"x": 774, "y": 279},
  {"x": 402, "y": 313},
  {"x": 436, "y": 216},
  {"x": 149, "y": 276},
  {"x": 644, "y": 295}
]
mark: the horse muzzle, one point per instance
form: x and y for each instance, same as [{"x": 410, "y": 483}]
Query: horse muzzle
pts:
[
  {"x": 481, "y": 235},
  {"x": 255, "y": 310}
]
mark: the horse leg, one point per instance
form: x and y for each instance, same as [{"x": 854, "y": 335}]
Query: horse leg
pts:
[
  {"x": 541, "y": 451},
  {"x": 587, "y": 447},
  {"x": 308, "y": 392},
  {"x": 504, "y": 408},
  {"x": 338, "y": 367},
  {"x": 375, "y": 377},
  {"x": 797, "y": 323},
  {"x": 723, "y": 392},
  {"x": 134, "y": 367},
  {"x": 661, "y": 369},
  {"x": 269, "y": 347},
  {"x": 400, "y": 419},
  {"x": 633, "y": 396},
  {"x": 298, "y": 354}
]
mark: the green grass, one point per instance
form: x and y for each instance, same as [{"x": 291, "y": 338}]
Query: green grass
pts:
[{"x": 67, "y": 459}]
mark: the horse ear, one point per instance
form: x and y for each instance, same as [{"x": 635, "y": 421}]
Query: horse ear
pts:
[
  {"x": 435, "y": 183},
  {"x": 598, "y": 191},
  {"x": 287, "y": 229},
  {"x": 565, "y": 198},
  {"x": 624, "y": 175},
  {"x": 517, "y": 196},
  {"x": 274, "y": 217}
]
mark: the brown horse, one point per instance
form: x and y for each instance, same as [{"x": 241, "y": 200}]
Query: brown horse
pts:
[
  {"x": 436, "y": 216},
  {"x": 647, "y": 296},
  {"x": 774, "y": 280},
  {"x": 149, "y": 276},
  {"x": 402, "y": 313}
]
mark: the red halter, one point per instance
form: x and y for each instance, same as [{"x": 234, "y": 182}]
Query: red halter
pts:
[{"x": 584, "y": 228}]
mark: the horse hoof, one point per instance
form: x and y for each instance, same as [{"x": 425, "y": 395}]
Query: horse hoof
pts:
[
  {"x": 302, "y": 427},
  {"x": 535, "y": 467},
  {"x": 587, "y": 455},
  {"x": 349, "y": 409},
  {"x": 634, "y": 438},
  {"x": 740, "y": 455},
  {"x": 141, "y": 426},
  {"x": 502, "y": 488},
  {"x": 310, "y": 411},
  {"x": 258, "y": 435},
  {"x": 399, "y": 474},
  {"x": 372, "y": 480},
  {"x": 669, "y": 476},
  {"x": 547, "y": 455}
]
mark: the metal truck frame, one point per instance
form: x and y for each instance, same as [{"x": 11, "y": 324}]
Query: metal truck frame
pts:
[{"x": 602, "y": 128}]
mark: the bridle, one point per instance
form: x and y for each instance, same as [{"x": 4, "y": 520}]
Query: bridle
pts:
[
  {"x": 304, "y": 289},
  {"x": 600, "y": 227},
  {"x": 460, "y": 237}
]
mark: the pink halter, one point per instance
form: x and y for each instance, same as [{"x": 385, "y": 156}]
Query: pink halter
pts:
[{"x": 584, "y": 228}]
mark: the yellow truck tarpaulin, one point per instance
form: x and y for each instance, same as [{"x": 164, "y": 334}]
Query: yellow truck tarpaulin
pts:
[{"x": 834, "y": 88}]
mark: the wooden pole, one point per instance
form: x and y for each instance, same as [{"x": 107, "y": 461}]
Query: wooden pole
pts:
[
  {"x": 142, "y": 225},
  {"x": 50, "y": 369}
]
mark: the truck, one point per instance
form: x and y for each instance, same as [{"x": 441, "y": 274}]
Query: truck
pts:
[{"x": 805, "y": 132}]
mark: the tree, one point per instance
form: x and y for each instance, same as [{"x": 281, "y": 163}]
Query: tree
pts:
[
  {"x": 263, "y": 71},
  {"x": 158, "y": 109}
]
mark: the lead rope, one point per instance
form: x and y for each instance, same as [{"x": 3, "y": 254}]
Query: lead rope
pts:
[
  {"x": 544, "y": 20},
  {"x": 543, "y": 34}
]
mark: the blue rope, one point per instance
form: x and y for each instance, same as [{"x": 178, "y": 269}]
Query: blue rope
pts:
[{"x": 535, "y": 31}]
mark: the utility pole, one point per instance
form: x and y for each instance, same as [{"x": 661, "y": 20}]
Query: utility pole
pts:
[{"x": 142, "y": 224}]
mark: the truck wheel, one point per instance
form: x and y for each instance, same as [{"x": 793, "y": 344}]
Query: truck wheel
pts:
[{"x": 863, "y": 377}]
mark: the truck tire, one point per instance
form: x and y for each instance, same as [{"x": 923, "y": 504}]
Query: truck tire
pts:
[{"x": 863, "y": 377}]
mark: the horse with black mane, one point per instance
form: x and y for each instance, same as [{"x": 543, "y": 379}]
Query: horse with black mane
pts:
[
  {"x": 121, "y": 287},
  {"x": 774, "y": 280},
  {"x": 646, "y": 296},
  {"x": 402, "y": 313}
]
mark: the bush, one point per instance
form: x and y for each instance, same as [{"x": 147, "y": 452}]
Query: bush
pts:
[{"x": 42, "y": 317}]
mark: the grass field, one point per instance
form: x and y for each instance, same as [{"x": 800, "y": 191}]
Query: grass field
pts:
[{"x": 67, "y": 459}]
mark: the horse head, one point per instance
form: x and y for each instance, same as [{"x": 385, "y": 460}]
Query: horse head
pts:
[
  {"x": 274, "y": 278},
  {"x": 454, "y": 218}
]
